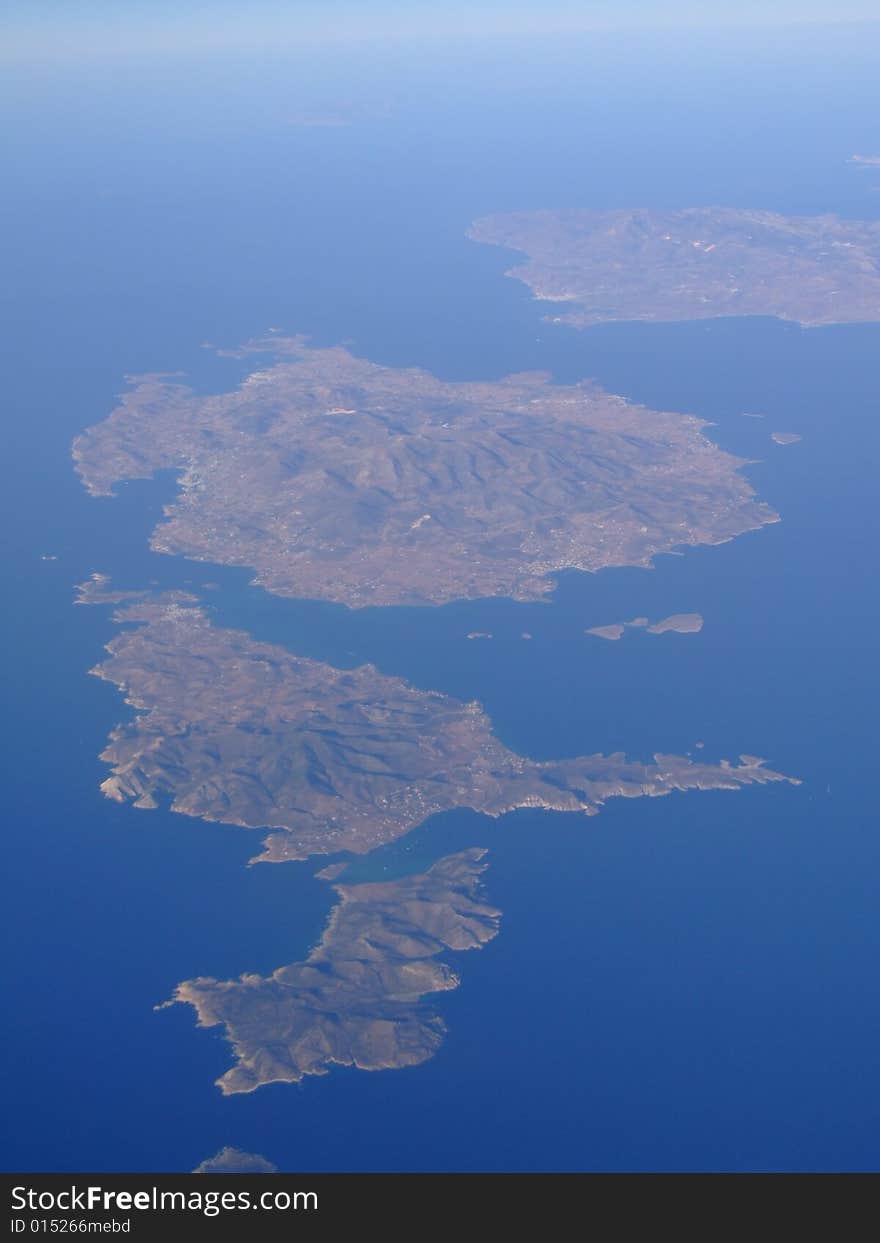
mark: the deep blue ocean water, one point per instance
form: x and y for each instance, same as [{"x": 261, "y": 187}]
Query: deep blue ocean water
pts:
[{"x": 685, "y": 983}]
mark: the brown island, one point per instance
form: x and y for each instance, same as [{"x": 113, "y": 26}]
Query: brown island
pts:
[
  {"x": 242, "y": 732},
  {"x": 334, "y": 478},
  {"x": 357, "y": 999},
  {"x": 693, "y": 264}
]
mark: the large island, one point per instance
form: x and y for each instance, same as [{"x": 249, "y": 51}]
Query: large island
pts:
[
  {"x": 334, "y": 478},
  {"x": 357, "y": 999},
  {"x": 243, "y": 732}
]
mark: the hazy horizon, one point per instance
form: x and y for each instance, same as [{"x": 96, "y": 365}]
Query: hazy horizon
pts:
[{"x": 93, "y": 28}]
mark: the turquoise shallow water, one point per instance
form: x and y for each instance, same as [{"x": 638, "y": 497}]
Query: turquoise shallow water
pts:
[{"x": 679, "y": 983}]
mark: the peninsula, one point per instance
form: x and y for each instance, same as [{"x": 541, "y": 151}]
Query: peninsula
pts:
[{"x": 696, "y": 263}]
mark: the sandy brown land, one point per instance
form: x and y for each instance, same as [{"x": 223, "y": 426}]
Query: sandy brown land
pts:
[
  {"x": 336, "y": 478},
  {"x": 357, "y": 999},
  {"x": 241, "y": 732},
  {"x": 693, "y": 264}
]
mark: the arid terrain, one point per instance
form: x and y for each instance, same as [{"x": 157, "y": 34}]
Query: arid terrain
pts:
[
  {"x": 693, "y": 264},
  {"x": 243, "y": 732},
  {"x": 334, "y": 478},
  {"x": 357, "y": 999}
]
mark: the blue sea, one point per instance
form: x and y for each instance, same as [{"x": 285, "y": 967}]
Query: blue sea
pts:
[{"x": 685, "y": 983}]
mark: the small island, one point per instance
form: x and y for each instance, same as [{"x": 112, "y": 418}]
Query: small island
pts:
[
  {"x": 335, "y": 478},
  {"x": 357, "y": 999},
  {"x": 234, "y": 1161},
  {"x": 612, "y": 632},
  {"x": 676, "y": 623},
  {"x": 785, "y": 438},
  {"x": 697, "y": 263},
  {"x": 242, "y": 732}
]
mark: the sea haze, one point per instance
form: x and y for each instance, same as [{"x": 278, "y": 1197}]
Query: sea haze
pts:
[{"x": 684, "y": 983}]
